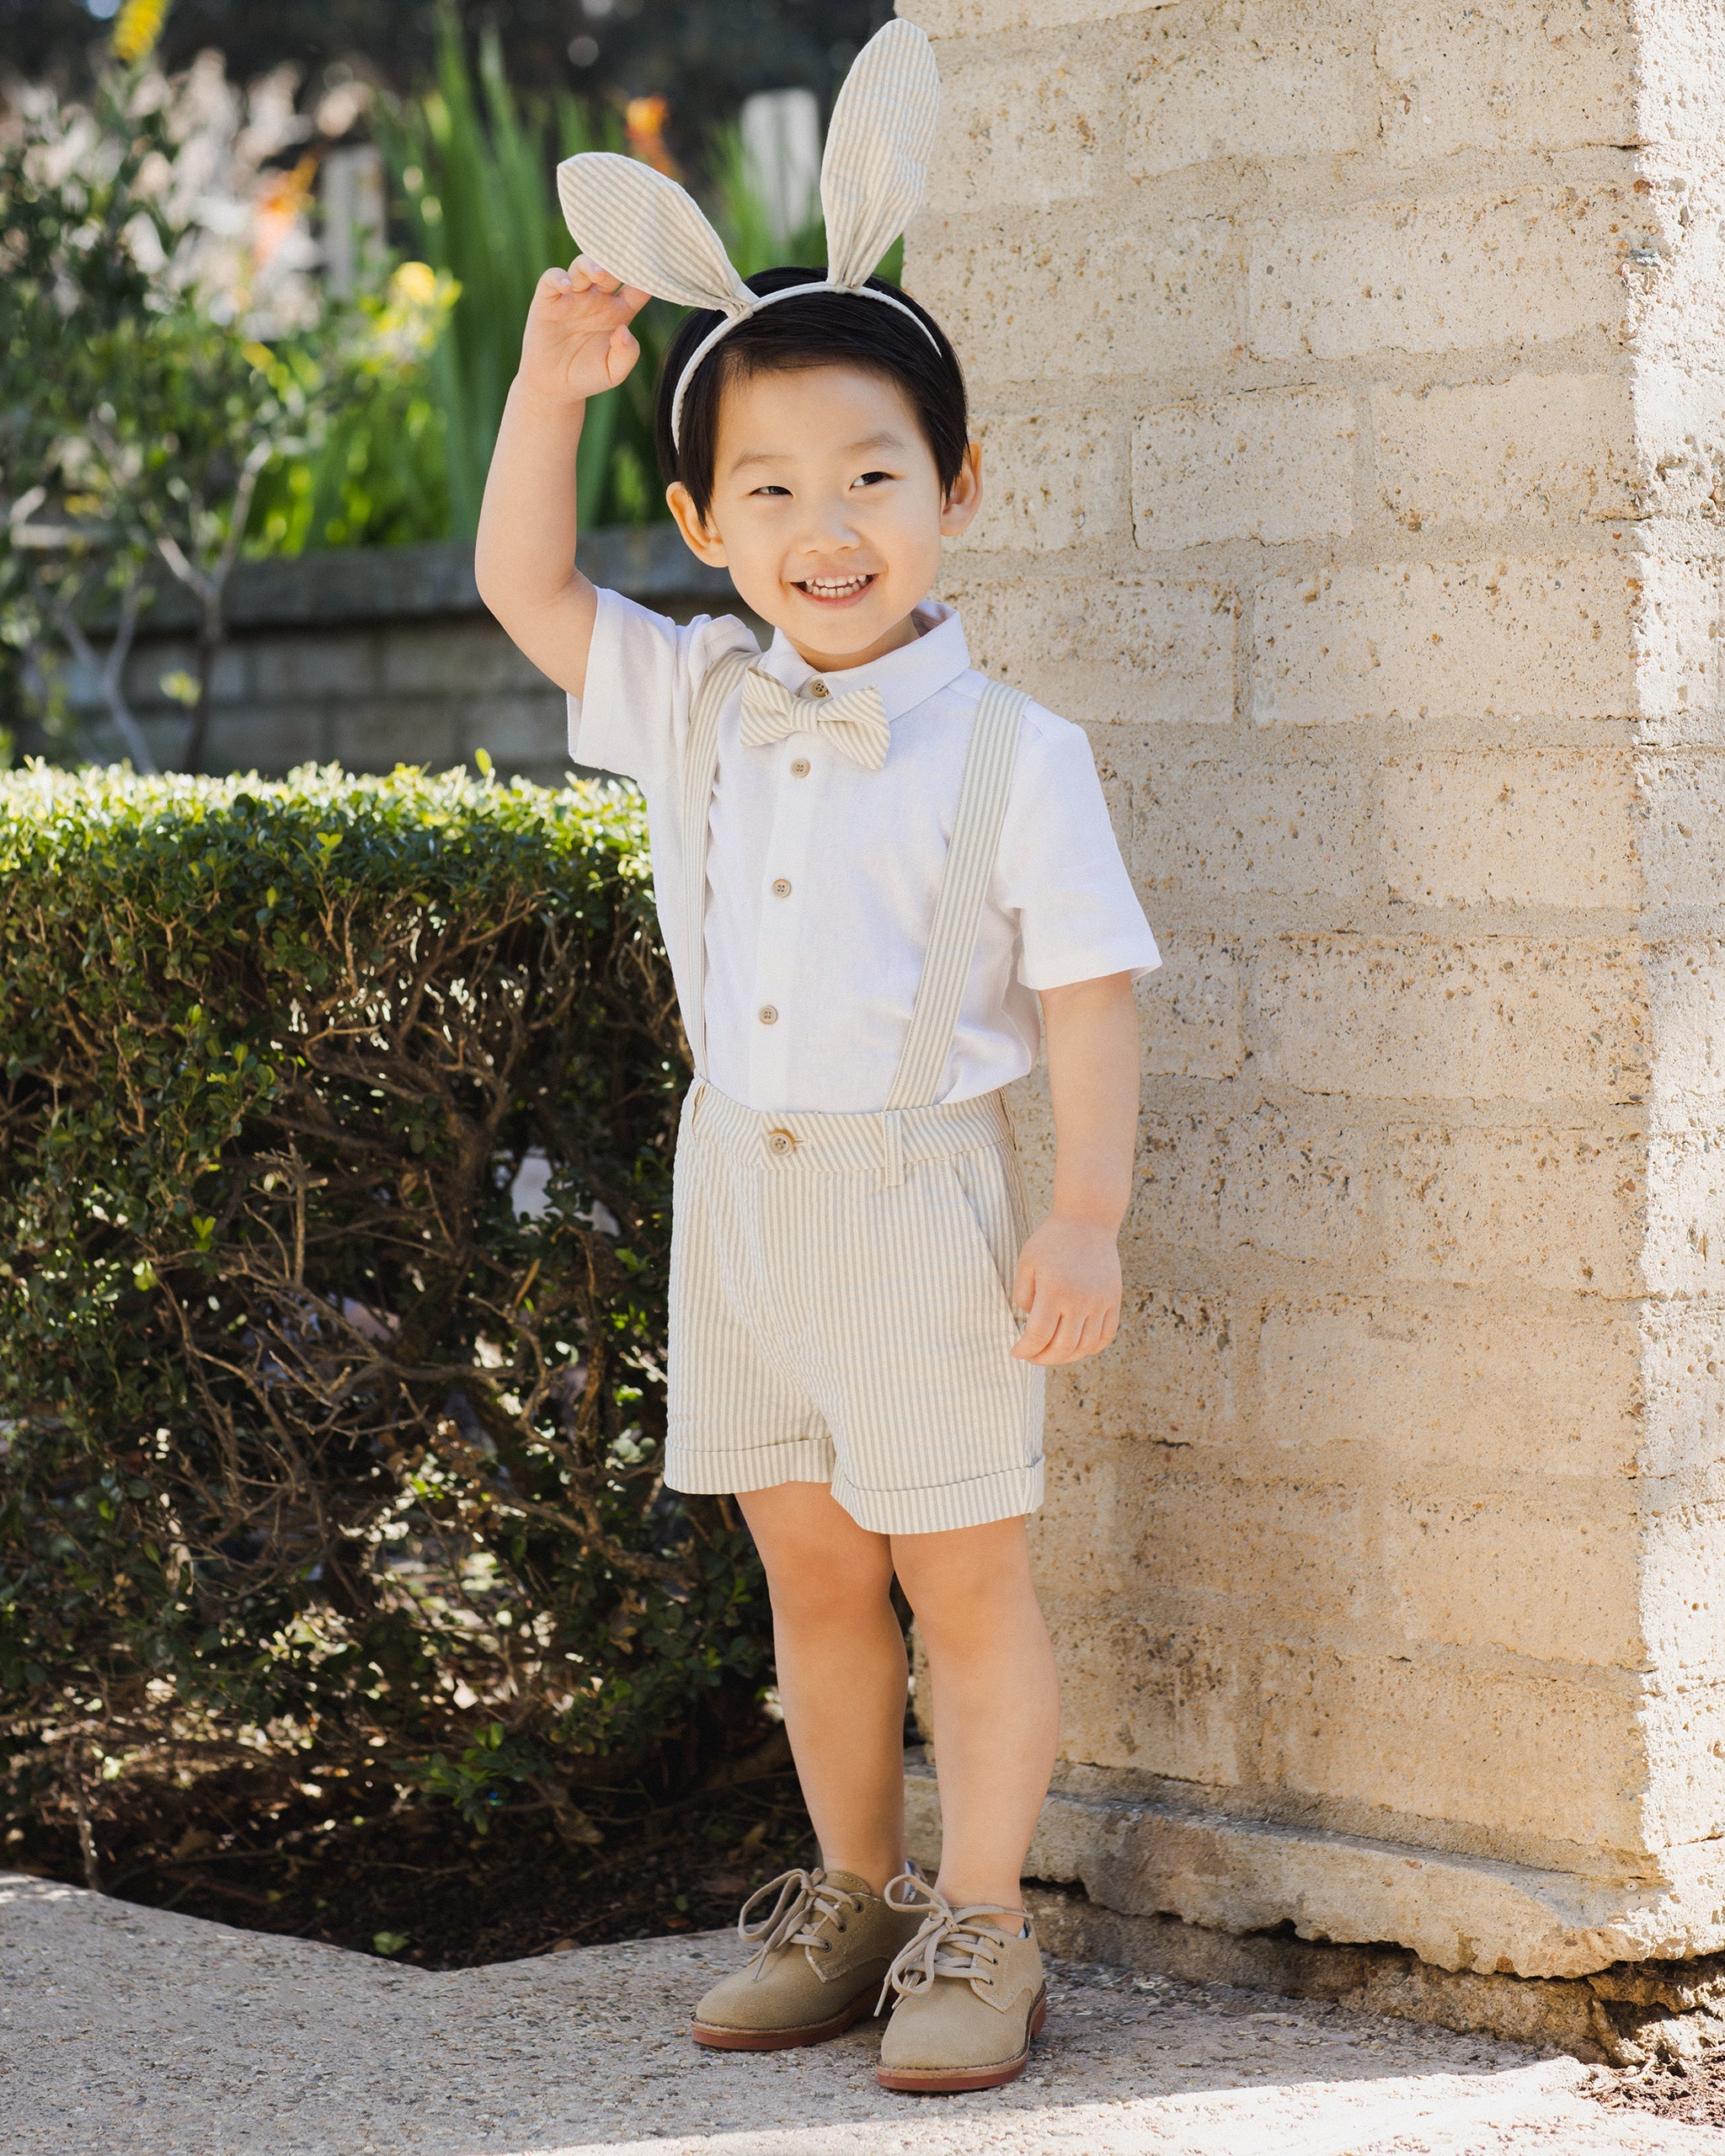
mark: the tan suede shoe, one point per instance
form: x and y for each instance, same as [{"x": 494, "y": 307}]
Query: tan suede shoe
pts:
[
  {"x": 970, "y": 1997},
  {"x": 821, "y": 1952}
]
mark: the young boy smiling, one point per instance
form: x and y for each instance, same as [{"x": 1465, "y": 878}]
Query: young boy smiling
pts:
[{"x": 870, "y": 864}]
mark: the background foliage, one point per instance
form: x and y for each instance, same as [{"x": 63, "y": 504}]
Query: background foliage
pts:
[
  {"x": 705, "y": 56},
  {"x": 311, "y": 1443}
]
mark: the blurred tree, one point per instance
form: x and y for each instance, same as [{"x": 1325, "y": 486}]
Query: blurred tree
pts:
[{"x": 704, "y": 55}]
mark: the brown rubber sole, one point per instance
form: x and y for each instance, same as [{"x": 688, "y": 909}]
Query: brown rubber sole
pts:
[
  {"x": 937, "y": 2081},
  {"x": 783, "y": 2040}
]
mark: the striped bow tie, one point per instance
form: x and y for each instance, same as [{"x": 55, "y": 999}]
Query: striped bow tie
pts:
[{"x": 856, "y": 723}]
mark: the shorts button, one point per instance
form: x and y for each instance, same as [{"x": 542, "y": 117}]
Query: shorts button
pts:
[
  {"x": 769, "y": 1014},
  {"x": 780, "y": 1141},
  {"x": 800, "y": 768},
  {"x": 782, "y": 887}
]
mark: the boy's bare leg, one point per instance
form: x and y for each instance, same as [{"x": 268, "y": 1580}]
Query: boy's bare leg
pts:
[
  {"x": 996, "y": 1702},
  {"x": 841, "y": 1672}
]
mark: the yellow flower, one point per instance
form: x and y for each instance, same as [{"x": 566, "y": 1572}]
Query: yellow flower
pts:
[
  {"x": 140, "y": 25},
  {"x": 414, "y": 284}
]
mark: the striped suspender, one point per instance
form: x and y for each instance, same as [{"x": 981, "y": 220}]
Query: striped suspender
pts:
[
  {"x": 700, "y": 768},
  {"x": 952, "y": 941}
]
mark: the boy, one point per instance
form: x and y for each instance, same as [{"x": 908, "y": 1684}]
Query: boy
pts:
[{"x": 870, "y": 863}]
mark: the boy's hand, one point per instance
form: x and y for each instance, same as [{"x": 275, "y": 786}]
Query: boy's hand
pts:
[
  {"x": 1068, "y": 1280},
  {"x": 577, "y": 342}
]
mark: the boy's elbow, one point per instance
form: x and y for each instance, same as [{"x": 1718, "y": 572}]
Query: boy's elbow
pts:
[{"x": 493, "y": 595}]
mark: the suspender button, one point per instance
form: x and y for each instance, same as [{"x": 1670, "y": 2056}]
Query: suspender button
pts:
[{"x": 780, "y": 1141}]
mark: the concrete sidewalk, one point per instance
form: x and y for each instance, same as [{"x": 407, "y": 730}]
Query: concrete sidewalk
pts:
[{"x": 126, "y": 2032}]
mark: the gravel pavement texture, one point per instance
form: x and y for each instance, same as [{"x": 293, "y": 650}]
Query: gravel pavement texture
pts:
[{"x": 125, "y": 2031}]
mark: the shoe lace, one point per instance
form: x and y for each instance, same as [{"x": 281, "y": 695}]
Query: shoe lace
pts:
[
  {"x": 806, "y": 1910},
  {"x": 949, "y": 1942}
]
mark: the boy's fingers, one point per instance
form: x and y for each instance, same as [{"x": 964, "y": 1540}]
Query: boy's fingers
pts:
[
  {"x": 622, "y": 352},
  {"x": 1056, "y": 1346},
  {"x": 589, "y": 275},
  {"x": 1075, "y": 1333},
  {"x": 1039, "y": 1328}
]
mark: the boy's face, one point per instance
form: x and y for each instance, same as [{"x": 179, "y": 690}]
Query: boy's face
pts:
[{"x": 827, "y": 510}]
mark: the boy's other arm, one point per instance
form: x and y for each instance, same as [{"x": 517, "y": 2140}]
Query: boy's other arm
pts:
[
  {"x": 1069, "y": 1270},
  {"x": 576, "y": 344}
]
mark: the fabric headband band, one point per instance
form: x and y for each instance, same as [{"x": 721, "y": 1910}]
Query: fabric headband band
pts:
[
  {"x": 723, "y": 329},
  {"x": 646, "y": 230}
]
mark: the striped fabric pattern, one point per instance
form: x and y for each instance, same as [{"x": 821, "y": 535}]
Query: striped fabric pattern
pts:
[
  {"x": 829, "y": 1328},
  {"x": 875, "y": 166},
  {"x": 855, "y": 724},
  {"x": 643, "y": 228},
  {"x": 976, "y": 837},
  {"x": 842, "y": 1285},
  {"x": 718, "y": 685}
]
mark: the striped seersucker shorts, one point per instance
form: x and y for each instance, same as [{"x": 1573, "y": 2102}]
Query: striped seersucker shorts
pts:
[{"x": 840, "y": 1312}]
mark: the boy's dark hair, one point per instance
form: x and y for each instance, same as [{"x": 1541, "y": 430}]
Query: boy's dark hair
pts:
[{"x": 819, "y": 329}]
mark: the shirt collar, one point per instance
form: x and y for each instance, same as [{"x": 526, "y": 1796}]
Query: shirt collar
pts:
[{"x": 906, "y": 677}]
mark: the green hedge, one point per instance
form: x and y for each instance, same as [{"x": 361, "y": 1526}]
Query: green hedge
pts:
[{"x": 307, "y": 1440}]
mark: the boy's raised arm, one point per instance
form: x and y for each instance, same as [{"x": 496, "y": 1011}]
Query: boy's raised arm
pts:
[{"x": 577, "y": 343}]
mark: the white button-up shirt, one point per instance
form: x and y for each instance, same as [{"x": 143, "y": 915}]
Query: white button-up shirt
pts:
[{"x": 822, "y": 877}]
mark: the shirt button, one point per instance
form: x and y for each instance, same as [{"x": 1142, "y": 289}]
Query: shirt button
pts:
[
  {"x": 781, "y": 1141},
  {"x": 818, "y": 689},
  {"x": 782, "y": 887},
  {"x": 769, "y": 1014},
  {"x": 800, "y": 768}
]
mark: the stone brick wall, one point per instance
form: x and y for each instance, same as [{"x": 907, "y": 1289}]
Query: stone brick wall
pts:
[
  {"x": 383, "y": 655},
  {"x": 1352, "y": 378}
]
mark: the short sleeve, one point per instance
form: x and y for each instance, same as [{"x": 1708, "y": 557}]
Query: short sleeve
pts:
[
  {"x": 642, "y": 670},
  {"x": 1059, "y": 870}
]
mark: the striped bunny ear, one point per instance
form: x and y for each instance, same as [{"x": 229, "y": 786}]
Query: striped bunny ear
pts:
[
  {"x": 878, "y": 148},
  {"x": 645, "y": 229}
]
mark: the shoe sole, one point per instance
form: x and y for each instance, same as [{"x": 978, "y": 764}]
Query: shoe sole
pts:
[
  {"x": 783, "y": 2040},
  {"x": 939, "y": 2081}
]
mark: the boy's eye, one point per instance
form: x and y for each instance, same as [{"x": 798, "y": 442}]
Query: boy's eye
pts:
[
  {"x": 772, "y": 490},
  {"x": 872, "y": 479}
]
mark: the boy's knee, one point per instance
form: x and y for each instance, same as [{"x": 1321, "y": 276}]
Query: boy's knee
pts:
[{"x": 809, "y": 1587}]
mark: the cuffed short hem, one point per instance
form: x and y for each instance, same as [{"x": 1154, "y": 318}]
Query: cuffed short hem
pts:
[
  {"x": 1007, "y": 1494},
  {"x": 704, "y": 1471}
]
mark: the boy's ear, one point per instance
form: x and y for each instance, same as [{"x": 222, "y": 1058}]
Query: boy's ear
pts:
[
  {"x": 703, "y": 541},
  {"x": 965, "y": 497}
]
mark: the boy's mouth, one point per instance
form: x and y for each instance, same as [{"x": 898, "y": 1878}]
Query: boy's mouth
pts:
[{"x": 834, "y": 590}]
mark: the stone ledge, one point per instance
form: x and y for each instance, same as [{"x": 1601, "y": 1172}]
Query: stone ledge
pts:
[
  {"x": 344, "y": 585},
  {"x": 1456, "y": 1913},
  {"x": 1625, "y": 2016}
]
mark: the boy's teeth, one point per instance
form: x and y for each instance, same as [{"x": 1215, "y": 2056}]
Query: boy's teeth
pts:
[{"x": 828, "y": 588}]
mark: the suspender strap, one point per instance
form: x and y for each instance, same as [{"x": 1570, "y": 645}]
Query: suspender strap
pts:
[
  {"x": 970, "y": 857},
  {"x": 722, "y": 680}
]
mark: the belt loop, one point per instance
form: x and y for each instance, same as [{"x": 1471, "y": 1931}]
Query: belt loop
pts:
[{"x": 892, "y": 1149}]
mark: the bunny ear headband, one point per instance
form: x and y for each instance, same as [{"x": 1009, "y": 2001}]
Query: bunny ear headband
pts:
[{"x": 649, "y": 232}]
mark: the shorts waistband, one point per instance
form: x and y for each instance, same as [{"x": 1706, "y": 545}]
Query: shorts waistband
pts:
[{"x": 881, "y": 1140}]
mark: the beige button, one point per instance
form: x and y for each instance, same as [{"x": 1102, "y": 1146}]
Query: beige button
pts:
[
  {"x": 769, "y": 1014},
  {"x": 800, "y": 768},
  {"x": 818, "y": 689},
  {"x": 781, "y": 887},
  {"x": 780, "y": 1141}
]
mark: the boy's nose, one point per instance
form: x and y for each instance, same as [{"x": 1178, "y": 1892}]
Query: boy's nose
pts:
[{"x": 829, "y": 529}]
